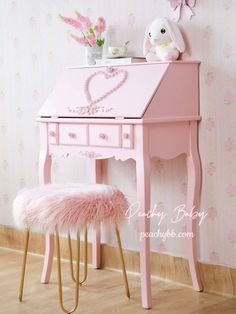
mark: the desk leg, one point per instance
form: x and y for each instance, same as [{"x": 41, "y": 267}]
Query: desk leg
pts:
[
  {"x": 96, "y": 177},
  {"x": 143, "y": 196},
  {"x": 45, "y": 177},
  {"x": 193, "y": 200},
  {"x": 48, "y": 258}
]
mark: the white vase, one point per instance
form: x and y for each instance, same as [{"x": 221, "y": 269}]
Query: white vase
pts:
[{"x": 93, "y": 53}]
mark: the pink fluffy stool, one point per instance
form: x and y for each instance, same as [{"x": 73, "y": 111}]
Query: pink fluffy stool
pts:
[{"x": 69, "y": 207}]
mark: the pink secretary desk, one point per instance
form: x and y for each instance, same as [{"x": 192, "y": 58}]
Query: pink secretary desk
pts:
[{"x": 133, "y": 111}]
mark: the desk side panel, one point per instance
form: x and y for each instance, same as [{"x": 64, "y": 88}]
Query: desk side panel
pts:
[
  {"x": 178, "y": 93},
  {"x": 168, "y": 140}
]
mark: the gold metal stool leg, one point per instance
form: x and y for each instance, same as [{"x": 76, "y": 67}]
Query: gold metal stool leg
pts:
[
  {"x": 22, "y": 279},
  {"x": 85, "y": 257},
  {"x": 122, "y": 262},
  {"x": 70, "y": 257},
  {"x": 59, "y": 274}
]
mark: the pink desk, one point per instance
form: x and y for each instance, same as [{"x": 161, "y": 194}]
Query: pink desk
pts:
[{"x": 132, "y": 111}]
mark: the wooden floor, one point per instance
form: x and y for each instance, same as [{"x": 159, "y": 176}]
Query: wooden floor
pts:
[{"x": 103, "y": 293}]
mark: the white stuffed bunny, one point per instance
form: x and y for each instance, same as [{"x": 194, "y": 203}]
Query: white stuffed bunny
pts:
[{"x": 163, "y": 41}]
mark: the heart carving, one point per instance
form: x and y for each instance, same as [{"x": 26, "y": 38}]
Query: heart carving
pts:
[{"x": 111, "y": 73}]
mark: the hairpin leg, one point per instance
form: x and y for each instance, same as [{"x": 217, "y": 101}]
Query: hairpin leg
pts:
[
  {"x": 85, "y": 257},
  {"x": 122, "y": 262},
  {"x": 70, "y": 257},
  {"x": 59, "y": 275},
  {"x": 27, "y": 233}
]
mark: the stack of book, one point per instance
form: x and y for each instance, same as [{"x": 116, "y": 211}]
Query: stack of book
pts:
[{"x": 124, "y": 60}]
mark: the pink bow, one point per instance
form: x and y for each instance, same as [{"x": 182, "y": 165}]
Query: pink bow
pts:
[{"x": 177, "y": 5}]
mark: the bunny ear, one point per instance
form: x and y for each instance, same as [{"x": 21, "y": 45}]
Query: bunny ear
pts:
[
  {"x": 175, "y": 35},
  {"x": 147, "y": 44}
]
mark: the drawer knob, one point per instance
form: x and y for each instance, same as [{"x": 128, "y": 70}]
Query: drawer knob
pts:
[
  {"x": 102, "y": 136},
  {"x": 126, "y": 136},
  {"x": 72, "y": 135},
  {"x": 52, "y": 133}
]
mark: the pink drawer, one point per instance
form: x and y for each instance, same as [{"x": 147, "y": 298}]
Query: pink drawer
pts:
[
  {"x": 73, "y": 134},
  {"x": 53, "y": 133},
  {"x": 105, "y": 135}
]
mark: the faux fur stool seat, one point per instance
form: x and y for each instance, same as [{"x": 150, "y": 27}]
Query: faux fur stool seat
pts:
[{"x": 68, "y": 206}]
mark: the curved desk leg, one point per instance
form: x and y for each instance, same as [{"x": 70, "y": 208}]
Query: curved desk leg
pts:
[
  {"x": 193, "y": 200},
  {"x": 96, "y": 177},
  {"x": 143, "y": 196},
  {"x": 45, "y": 162}
]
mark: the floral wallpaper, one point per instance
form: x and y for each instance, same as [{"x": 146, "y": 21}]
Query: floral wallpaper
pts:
[{"x": 34, "y": 48}]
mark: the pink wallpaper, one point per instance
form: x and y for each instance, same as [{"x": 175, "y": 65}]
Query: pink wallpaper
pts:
[{"x": 35, "y": 46}]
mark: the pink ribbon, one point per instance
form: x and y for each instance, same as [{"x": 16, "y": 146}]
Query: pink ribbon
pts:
[{"x": 178, "y": 5}]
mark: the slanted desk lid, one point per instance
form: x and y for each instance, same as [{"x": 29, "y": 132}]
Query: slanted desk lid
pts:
[{"x": 104, "y": 92}]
